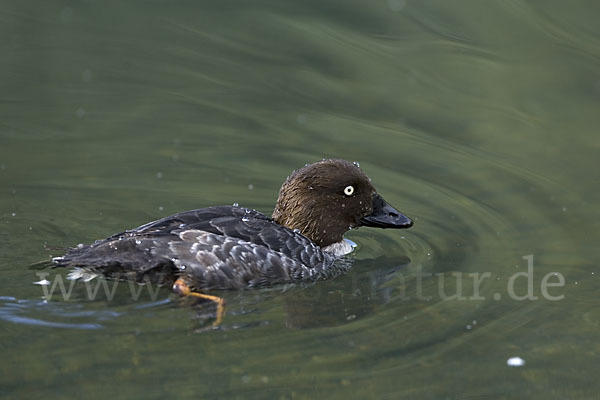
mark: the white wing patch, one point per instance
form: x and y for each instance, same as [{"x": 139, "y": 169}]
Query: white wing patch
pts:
[{"x": 81, "y": 273}]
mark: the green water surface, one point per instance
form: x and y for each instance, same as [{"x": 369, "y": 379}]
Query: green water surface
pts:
[{"x": 478, "y": 119}]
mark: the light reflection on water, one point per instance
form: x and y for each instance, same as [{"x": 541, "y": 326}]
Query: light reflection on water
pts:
[
  {"x": 15, "y": 311},
  {"x": 56, "y": 314}
]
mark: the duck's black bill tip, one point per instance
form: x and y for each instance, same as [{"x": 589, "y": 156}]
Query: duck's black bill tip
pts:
[{"x": 385, "y": 216}]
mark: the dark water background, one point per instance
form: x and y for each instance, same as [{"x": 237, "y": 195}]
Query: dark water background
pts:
[{"x": 478, "y": 119}]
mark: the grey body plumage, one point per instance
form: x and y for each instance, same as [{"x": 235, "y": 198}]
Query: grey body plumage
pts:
[{"x": 223, "y": 247}]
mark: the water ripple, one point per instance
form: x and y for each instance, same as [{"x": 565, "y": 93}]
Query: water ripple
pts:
[{"x": 49, "y": 314}]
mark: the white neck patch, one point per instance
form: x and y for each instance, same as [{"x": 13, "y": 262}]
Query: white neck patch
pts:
[{"x": 345, "y": 246}]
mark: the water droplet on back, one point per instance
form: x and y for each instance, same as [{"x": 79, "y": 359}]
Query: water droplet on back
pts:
[{"x": 236, "y": 205}]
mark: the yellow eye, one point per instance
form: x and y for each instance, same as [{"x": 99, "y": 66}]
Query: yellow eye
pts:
[{"x": 349, "y": 190}]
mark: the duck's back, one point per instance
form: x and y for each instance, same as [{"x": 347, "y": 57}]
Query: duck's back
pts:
[{"x": 222, "y": 247}]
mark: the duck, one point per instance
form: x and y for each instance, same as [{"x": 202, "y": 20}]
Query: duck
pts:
[{"x": 233, "y": 247}]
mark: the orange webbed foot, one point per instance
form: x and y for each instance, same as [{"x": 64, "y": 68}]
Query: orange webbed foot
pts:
[{"x": 183, "y": 289}]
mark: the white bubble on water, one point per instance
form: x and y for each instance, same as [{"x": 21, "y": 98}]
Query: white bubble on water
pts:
[{"x": 515, "y": 362}]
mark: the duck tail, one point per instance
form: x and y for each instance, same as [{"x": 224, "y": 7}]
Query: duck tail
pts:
[
  {"x": 53, "y": 261},
  {"x": 41, "y": 265}
]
